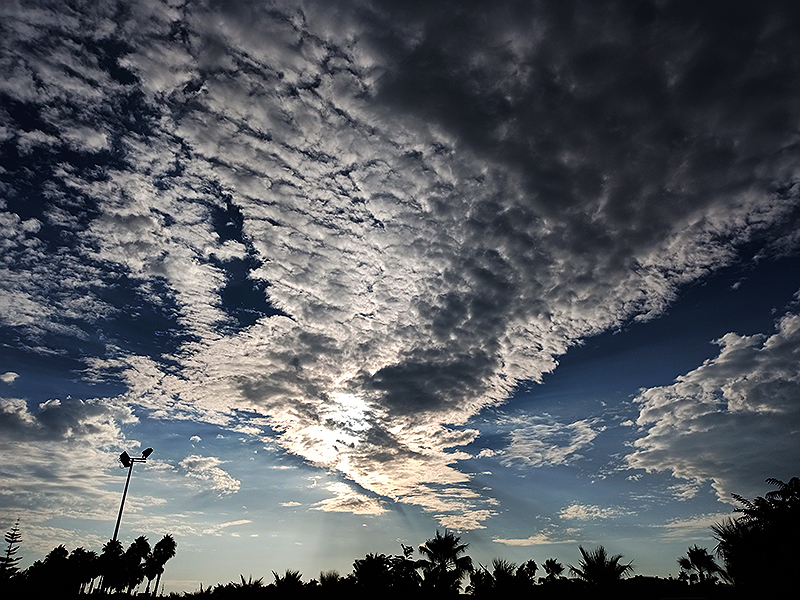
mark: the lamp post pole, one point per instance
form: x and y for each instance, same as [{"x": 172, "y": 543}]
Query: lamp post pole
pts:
[{"x": 128, "y": 461}]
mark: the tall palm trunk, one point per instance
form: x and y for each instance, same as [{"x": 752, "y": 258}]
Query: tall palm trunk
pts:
[{"x": 158, "y": 580}]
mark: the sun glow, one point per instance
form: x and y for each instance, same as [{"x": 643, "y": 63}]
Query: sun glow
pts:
[
  {"x": 341, "y": 427},
  {"x": 348, "y": 414}
]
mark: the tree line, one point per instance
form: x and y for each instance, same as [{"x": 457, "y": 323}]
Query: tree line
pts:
[
  {"x": 63, "y": 573},
  {"x": 756, "y": 550}
]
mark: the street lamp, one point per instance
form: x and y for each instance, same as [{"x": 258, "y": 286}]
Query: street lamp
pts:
[{"x": 128, "y": 461}]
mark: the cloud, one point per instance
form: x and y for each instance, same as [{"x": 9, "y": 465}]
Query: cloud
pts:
[
  {"x": 542, "y": 442},
  {"x": 9, "y": 377},
  {"x": 364, "y": 224},
  {"x": 539, "y": 539},
  {"x": 206, "y": 469},
  {"x": 217, "y": 528},
  {"x": 582, "y": 512},
  {"x": 347, "y": 500},
  {"x": 95, "y": 421},
  {"x": 60, "y": 455},
  {"x": 728, "y": 419},
  {"x": 693, "y": 527}
]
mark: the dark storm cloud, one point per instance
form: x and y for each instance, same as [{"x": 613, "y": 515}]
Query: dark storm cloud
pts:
[
  {"x": 618, "y": 121},
  {"x": 613, "y": 101}
]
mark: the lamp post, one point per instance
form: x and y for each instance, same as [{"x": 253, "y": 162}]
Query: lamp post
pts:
[{"x": 128, "y": 461}]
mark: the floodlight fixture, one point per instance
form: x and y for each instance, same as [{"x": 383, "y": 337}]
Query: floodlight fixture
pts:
[{"x": 127, "y": 461}]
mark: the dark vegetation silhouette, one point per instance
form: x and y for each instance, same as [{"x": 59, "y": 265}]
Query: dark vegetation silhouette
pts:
[
  {"x": 698, "y": 566},
  {"x": 503, "y": 579},
  {"x": 65, "y": 574},
  {"x": 553, "y": 568},
  {"x": 758, "y": 548},
  {"x": 8, "y": 562},
  {"x": 444, "y": 563},
  {"x": 599, "y": 569}
]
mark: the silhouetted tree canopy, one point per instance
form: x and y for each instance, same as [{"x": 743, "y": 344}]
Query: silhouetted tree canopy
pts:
[
  {"x": 760, "y": 547},
  {"x": 504, "y": 579},
  {"x": 596, "y": 567},
  {"x": 8, "y": 562},
  {"x": 698, "y": 566},
  {"x": 444, "y": 563},
  {"x": 553, "y": 568}
]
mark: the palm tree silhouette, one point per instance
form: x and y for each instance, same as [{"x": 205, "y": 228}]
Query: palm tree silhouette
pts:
[
  {"x": 597, "y": 568},
  {"x": 155, "y": 561},
  {"x": 290, "y": 583},
  {"x": 698, "y": 564},
  {"x": 405, "y": 578},
  {"x": 111, "y": 566},
  {"x": 329, "y": 580},
  {"x": 763, "y": 539},
  {"x": 481, "y": 582},
  {"x": 444, "y": 563},
  {"x": 249, "y": 583},
  {"x": 553, "y": 568},
  {"x": 372, "y": 573},
  {"x": 47, "y": 576},
  {"x": 503, "y": 574},
  {"x": 135, "y": 557},
  {"x": 526, "y": 573},
  {"x": 83, "y": 567}
]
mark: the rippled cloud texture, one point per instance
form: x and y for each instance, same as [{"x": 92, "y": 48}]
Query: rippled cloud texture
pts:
[{"x": 346, "y": 228}]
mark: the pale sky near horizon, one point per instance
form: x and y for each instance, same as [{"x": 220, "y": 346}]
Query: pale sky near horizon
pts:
[{"x": 360, "y": 270}]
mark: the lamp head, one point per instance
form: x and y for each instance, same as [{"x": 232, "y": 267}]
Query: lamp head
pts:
[
  {"x": 147, "y": 452},
  {"x": 125, "y": 459}
]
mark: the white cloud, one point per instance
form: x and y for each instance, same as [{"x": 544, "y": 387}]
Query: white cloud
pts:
[
  {"x": 542, "y": 442},
  {"x": 217, "y": 528},
  {"x": 539, "y": 539},
  {"x": 727, "y": 420},
  {"x": 345, "y": 499},
  {"x": 588, "y": 512},
  {"x": 9, "y": 377},
  {"x": 693, "y": 527},
  {"x": 63, "y": 456},
  {"x": 206, "y": 469}
]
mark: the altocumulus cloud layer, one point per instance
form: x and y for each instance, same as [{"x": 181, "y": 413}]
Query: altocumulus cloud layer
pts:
[{"x": 347, "y": 227}]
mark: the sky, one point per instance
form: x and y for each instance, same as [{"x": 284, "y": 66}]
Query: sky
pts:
[{"x": 361, "y": 270}]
